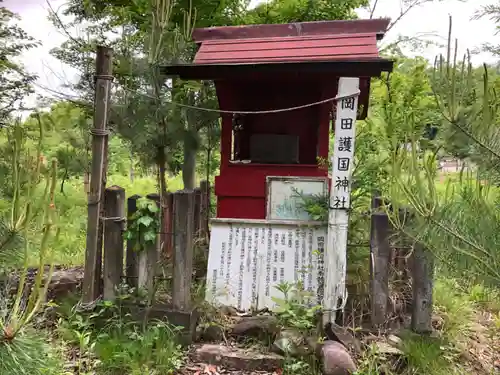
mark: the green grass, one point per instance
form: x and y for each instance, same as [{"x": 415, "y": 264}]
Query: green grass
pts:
[
  {"x": 429, "y": 355},
  {"x": 71, "y": 204},
  {"x": 455, "y": 308},
  {"x": 485, "y": 298},
  {"x": 455, "y": 304},
  {"x": 72, "y": 209}
]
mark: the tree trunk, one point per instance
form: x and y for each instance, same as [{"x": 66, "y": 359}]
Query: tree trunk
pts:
[
  {"x": 162, "y": 177},
  {"x": 189, "y": 166},
  {"x": 190, "y": 147},
  {"x": 131, "y": 167}
]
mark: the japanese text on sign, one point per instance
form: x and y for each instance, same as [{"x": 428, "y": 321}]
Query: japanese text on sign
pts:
[
  {"x": 343, "y": 152},
  {"x": 252, "y": 278}
]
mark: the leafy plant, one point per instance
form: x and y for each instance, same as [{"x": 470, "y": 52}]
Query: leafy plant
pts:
[
  {"x": 294, "y": 366},
  {"x": 143, "y": 224},
  {"x": 296, "y": 309},
  {"x": 135, "y": 350},
  {"x": 316, "y": 205},
  {"x": 110, "y": 341}
]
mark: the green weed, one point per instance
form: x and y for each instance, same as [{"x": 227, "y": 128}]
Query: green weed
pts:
[
  {"x": 485, "y": 297},
  {"x": 372, "y": 362},
  {"x": 432, "y": 356},
  {"x": 295, "y": 309},
  {"x": 297, "y": 313},
  {"x": 454, "y": 307},
  {"x": 136, "y": 350},
  {"x": 110, "y": 342}
]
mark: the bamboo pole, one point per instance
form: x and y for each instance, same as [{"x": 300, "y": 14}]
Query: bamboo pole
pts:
[{"x": 93, "y": 253}]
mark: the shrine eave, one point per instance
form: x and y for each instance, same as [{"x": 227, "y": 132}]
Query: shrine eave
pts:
[
  {"x": 378, "y": 27},
  {"x": 345, "y": 68}
]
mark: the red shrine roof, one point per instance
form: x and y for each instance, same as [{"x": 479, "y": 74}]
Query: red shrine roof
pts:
[
  {"x": 303, "y": 48},
  {"x": 306, "y": 41},
  {"x": 346, "y": 47}
]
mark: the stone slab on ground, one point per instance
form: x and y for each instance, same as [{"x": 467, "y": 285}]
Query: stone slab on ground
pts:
[
  {"x": 344, "y": 336},
  {"x": 236, "y": 358},
  {"x": 336, "y": 359},
  {"x": 256, "y": 326}
]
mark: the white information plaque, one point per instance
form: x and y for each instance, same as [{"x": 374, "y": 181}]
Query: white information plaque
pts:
[{"x": 247, "y": 260}]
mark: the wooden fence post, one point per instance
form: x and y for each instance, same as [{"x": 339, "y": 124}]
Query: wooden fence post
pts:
[
  {"x": 204, "y": 209},
  {"x": 159, "y": 236},
  {"x": 168, "y": 226},
  {"x": 197, "y": 214},
  {"x": 131, "y": 268},
  {"x": 380, "y": 253},
  {"x": 114, "y": 209},
  {"x": 423, "y": 275},
  {"x": 148, "y": 260},
  {"x": 183, "y": 249},
  {"x": 93, "y": 251}
]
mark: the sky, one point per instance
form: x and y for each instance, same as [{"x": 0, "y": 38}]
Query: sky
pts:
[{"x": 429, "y": 19}]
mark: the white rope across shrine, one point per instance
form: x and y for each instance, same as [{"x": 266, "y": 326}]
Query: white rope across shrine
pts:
[
  {"x": 65, "y": 96},
  {"x": 205, "y": 109}
]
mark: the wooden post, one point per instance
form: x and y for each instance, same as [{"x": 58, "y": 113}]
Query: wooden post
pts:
[
  {"x": 183, "y": 249},
  {"x": 168, "y": 226},
  {"x": 131, "y": 257},
  {"x": 380, "y": 254},
  {"x": 204, "y": 209},
  {"x": 86, "y": 182},
  {"x": 148, "y": 260},
  {"x": 159, "y": 236},
  {"x": 197, "y": 214},
  {"x": 423, "y": 275},
  {"x": 114, "y": 209},
  {"x": 93, "y": 253}
]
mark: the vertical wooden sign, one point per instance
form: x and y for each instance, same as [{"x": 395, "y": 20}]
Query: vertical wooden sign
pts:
[{"x": 340, "y": 197}]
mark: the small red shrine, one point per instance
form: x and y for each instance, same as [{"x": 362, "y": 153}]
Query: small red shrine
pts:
[
  {"x": 277, "y": 87},
  {"x": 266, "y": 68}
]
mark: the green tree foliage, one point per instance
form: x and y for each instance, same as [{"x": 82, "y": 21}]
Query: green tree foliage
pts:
[
  {"x": 458, "y": 220},
  {"x": 15, "y": 83},
  {"x": 149, "y": 34},
  {"x": 408, "y": 88},
  {"x": 67, "y": 138},
  {"x": 491, "y": 11},
  {"x": 286, "y": 11}
]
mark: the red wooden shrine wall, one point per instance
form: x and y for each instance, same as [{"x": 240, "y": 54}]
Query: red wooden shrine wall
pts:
[{"x": 241, "y": 188}]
